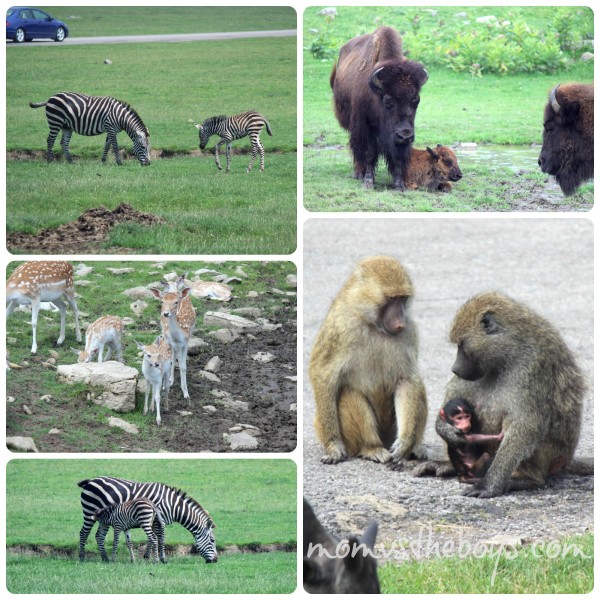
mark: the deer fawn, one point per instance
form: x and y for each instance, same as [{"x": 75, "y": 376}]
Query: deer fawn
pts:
[
  {"x": 105, "y": 331},
  {"x": 43, "y": 281},
  {"x": 177, "y": 321},
  {"x": 156, "y": 367}
]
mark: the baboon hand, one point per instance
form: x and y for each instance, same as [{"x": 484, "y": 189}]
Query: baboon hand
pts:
[
  {"x": 336, "y": 452},
  {"x": 479, "y": 490}
]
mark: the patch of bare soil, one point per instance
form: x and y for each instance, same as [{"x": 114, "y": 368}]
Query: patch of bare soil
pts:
[
  {"x": 82, "y": 236},
  {"x": 45, "y": 550},
  {"x": 186, "y": 426},
  {"x": 524, "y": 194}
]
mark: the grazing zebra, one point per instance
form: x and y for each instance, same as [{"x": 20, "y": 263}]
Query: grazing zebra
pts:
[
  {"x": 173, "y": 504},
  {"x": 93, "y": 115},
  {"x": 138, "y": 512},
  {"x": 234, "y": 128}
]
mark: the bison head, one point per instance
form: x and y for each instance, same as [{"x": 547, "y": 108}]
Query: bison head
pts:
[
  {"x": 398, "y": 85},
  {"x": 568, "y": 139},
  {"x": 446, "y": 163}
]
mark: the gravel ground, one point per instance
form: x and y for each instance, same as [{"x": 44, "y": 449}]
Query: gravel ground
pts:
[{"x": 546, "y": 263}]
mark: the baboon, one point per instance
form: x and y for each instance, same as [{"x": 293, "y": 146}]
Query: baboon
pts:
[
  {"x": 472, "y": 458},
  {"x": 368, "y": 392},
  {"x": 515, "y": 367},
  {"x": 325, "y": 572}
]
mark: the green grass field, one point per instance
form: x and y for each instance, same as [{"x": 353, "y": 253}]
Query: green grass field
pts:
[
  {"x": 557, "y": 567},
  {"x": 84, "y": 21},
  {"x": 206, "y": 211},
  {"x": 253, "y": 503},
  {"x": 455, "y": 107}
]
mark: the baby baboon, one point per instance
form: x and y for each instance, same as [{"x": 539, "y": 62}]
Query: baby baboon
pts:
[
  {"x": 514, "y": 365},
  {"x": 368, "y": 392},
  {"x": 470, "y": 460}
]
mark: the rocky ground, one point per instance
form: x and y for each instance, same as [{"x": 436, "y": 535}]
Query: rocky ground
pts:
[
  {"x": 547, "y": 263},
  {"x": 241, "y": 379}
]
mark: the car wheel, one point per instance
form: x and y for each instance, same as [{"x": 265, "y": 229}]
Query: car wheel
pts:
[
  {"x": 20, "y": 35},
  {"x": 60, "y": 35}
]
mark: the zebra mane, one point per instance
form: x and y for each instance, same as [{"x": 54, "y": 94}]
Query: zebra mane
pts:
[
  {"x": 183, "y": 495},
  {"x": 214, "y": 120},
  {"x": 137, "y": 117}
]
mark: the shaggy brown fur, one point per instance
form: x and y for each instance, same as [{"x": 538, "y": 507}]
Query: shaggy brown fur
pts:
[
  {"x": 568, "y": 139},
  {"x": 376, "y": 94},
  {"x": 432, "y": 169}
]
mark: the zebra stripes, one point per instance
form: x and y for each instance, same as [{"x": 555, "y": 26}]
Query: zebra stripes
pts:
[
  {"x": 234, "y": 128},
  {"x": 173, "y": 504},
  {"x": 138, "y": 512},
  {"x": 93, "y": 115}
]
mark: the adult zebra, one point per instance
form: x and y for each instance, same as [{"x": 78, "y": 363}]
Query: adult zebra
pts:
[
  {"x": 234, "y": 128},
  {"x": 174, "y": 506},
  {"x": 93, "y": 115}
]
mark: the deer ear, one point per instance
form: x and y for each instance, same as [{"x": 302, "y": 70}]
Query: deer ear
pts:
[
  {"x": 140, "y": 346},
  {"x": 156, "y": 293},
  {"x": 185, "y": 291},
  {"x": 74, "y": 351}
]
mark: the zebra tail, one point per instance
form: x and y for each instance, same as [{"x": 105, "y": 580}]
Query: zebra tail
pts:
[
  {"x": 37, "y": 104},
  {"x": 83, "y": 482},
  {"x": 267, "y": 126}
]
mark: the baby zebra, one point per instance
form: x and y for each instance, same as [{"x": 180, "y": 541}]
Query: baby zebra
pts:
[
  {"x": 234, "y": 128},
  {"x": 138, "y": 512},
  {"x": 105, "y": 331}
]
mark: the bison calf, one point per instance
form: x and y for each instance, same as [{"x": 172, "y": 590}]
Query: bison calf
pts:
[
  {"x": 432, "y": 169},
  {"x": 568, "y": 139}
]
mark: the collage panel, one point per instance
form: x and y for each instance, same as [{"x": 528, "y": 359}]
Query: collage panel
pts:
[
  {"x": 224, "y": 526},
  {"x": 177, "y": 356},
  {"x": 448, "y": 108},
  {"x": 404, "y": 318},
  {"x": 197, "y": 105}
]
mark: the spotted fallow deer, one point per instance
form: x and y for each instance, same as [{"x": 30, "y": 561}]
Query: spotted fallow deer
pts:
[
  {"x": 105, "y": 331},
  {"x": 156, "y": 367},
  {"x": 177, "y": 321},
  {"x": 43, "y": 281}
]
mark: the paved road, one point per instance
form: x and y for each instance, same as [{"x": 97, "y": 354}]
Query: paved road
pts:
[
  {"x": 547, "y": 263},
  {"x": 175, "y": 37}
]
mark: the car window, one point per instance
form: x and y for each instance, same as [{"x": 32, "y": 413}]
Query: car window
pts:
[
  {"x": 10, "y": 11},
  {"x": 38, "y": 14},
  {"x": 25, "y": 14}
]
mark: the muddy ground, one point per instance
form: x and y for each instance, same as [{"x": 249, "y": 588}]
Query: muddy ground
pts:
[
  {"x": 269, "y": 389},
  {"x": 543, "y": 262},
  {"x": 263, "y": 386},
  {"x": 85, "y": 235}
]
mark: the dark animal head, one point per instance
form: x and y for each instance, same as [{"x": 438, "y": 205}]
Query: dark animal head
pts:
[
  {"x": 334, "y": 567},
  {"x": 568, "y": 138},
  {"x": 397, "y": 85},
  {"x": 446, "y": 163}
]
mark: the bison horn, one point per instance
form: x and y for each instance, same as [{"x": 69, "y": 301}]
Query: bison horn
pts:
[
  {"x": 553, "y": 101},
  {"x": 426, "y": 76},
  {"x": 375, "y": 79}
]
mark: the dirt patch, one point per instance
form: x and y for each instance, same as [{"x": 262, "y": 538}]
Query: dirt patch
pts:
[
  {"x": 186, "y": 427},
  {"x": 45, "y": 550},
  {"x": 85, "y": 235}
]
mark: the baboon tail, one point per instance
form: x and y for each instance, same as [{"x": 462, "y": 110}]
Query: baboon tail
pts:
[{"x": 37, "y": 104}]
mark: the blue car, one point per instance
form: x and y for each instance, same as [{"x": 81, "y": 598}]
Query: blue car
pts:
[{"x": 23, "y": 24}]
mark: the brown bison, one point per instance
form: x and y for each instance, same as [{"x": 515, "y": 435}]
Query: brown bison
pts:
[
  {"x": 432, "y": 169},
  {"x": 568, "y": 142},
  {"x": 376, "y": 94},
  {"x": 333, "y": 566}
]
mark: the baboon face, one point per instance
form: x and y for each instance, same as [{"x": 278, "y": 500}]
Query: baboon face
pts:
[
  {"x": 478, "y": 347},
  {"x": 391, "y": 315}
]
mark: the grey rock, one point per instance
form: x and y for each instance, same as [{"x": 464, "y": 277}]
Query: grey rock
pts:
[
  {"x": 124, "y": 425},
  {"x": 21, "y": 444}
]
